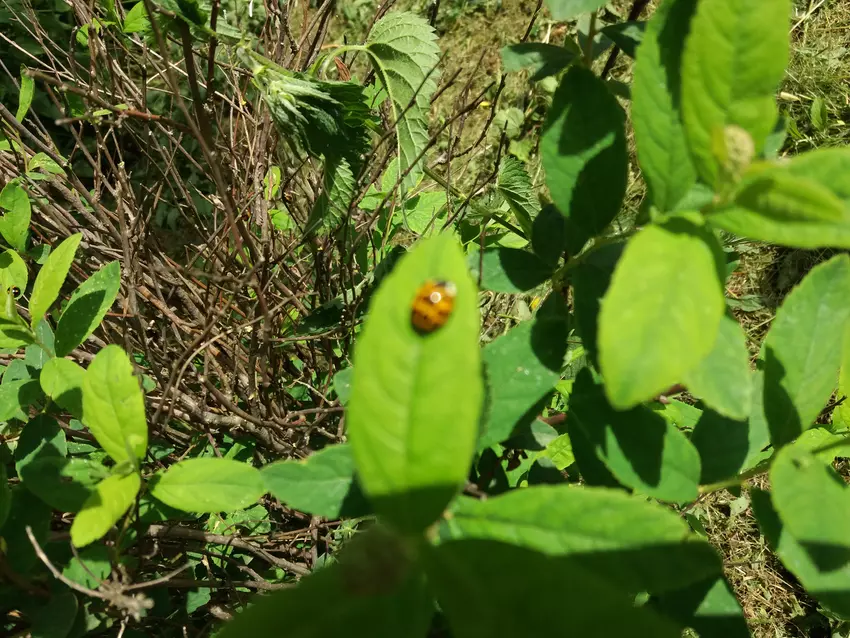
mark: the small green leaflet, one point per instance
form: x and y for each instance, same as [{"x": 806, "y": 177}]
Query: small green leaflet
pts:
[
  {"x": 87, "y": 307},
  {"x": 50, "y": 278},
  {"x": 14, "y": 224},
  {"x": 25, "y": 96}
]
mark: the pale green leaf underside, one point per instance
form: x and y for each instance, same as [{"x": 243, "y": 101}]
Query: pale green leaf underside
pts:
[{"x": 403, "y": 49}]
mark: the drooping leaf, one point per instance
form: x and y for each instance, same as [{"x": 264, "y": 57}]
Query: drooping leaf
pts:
[
  {"x": 662, "y": 311},
  {"x": 208, "y": 485},
  {"x": 587, "y": 604},
  {"x": 25, "y": 96},
  {"x": 15, "y": 222},
  {"x": 508, "y": 269},
  {"x": 331, "y": 208},
  {"x": 541, "y": 59},
  {"x": 723, "y": 379},
  {"x": 734, "y": 59},
  {"x": 50, "y": 278},
  {"x": 570, "y": 9},
  {"x": 831, "y": 587},
  {"x": 803, "y": 349},
  {"x": 640, "y": 448},
  {"x": 814, "y": 505},
  {"x": 523, "y": 367},
  {"x": 62, "y": 381},
  {"x": 322, "y": 485},
  {"x": 404, "y": 53},
  {"x": 111, "y": 499},
  {"x": 113, "y": 405},
  {"x": 583, "y": 148},
  {"x": 515, "y": 186},
  {"x": 615, "y": 535},
  {"x": 662, "y": 149},
  {"x": 413, "y": 392},
  {"x": 87, "y": 307}
]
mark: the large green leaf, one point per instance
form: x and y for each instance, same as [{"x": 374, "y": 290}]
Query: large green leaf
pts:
[
  {"x": 583, "y": 148},
  {"x": 733, "y": 62},
  {"x": 662, "y": 311},
  {"x": 25, "y": 511},
  {"x": 64, "y": 484},
  {"x": 87, "y": 307},
  {"x": 662, "y": 149},
  {"x": 372, "y": 591},
  {"x": 541, "y": 59},
  {"x": 618, "y": 536},
  {"x": 323, "y": 484},
  {"x": 56, "y": 618},
  {"x": 208, "y": 485},
  {"x": 547, "y": 595},
  {"x": 41, "y": 438},
  {"x": 803, "y": 349},
  {"x": 829, "y": 167},
  {"x": 642, "y": 449},
  {"x": 15, "y": 222},
  {"x": 62, "y": 381},
  {"x": 724, "y": 444},
  {"x": 723, "y": 379},
  {"x": 831, "y": 587},
  {"x": 111, "y": 499},
  {"x": 549, "y": 235},
  {"x": 590, "y": 282},
  {"x": 113, "y": 405},
  {"x": 412, "y": 393},
  {"x": 404, "y": 53},
  {"x": 515, "y": 186},
  {"x": 522, "y": 368},
  {"x": 50, "y": 278},
  {"x": 814, "y": 505},
  {"x": 509, "y": 270}
]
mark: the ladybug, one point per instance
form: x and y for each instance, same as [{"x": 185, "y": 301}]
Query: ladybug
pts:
[{"x": 432, "y": 306}]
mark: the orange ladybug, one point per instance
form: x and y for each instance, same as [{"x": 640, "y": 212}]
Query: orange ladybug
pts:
[{"x": 432, "y": 306}]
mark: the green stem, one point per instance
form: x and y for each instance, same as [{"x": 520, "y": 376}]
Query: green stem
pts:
[{"x": 588, "y": 45}]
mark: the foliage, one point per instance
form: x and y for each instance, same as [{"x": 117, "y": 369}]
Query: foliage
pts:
[{"x": 273, "y": 420}]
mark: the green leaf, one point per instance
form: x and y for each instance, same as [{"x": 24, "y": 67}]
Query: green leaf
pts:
[
  {"x": 14, "y": 334},
  {"x": 322, "y": 484},
  {"x": 564, "y": 10},
  {"x": 25, "y": 96},
  {"x": 522, "y": 368},
  {"x": 113, "y": 405},
  {"x": 549, "y": 235},
  {"x": 662, "y": 311},
  {"x": 136, "y": 19},
  {"x": 814, "y": 505},
  {"x": 368, "y": 593},
  {"x": 46, "y": 163},
  {"x": 640, "y": 448},
  {"x": 16, "y": 397},
  {"x": 626, "y": 35},
  {"x": 830, "y": 587},
  {"x": 583, "y": 148},
  {"x": 709, "y": 607},
  {"x": 62, "y": 381},
  {"x": 112, "y": 498},
  {"x": 515, "y": 186},
  {"x": 468, "y": 578},
  {"x": 724, "y": 445},
  {"x": 414, "y": 392},
  {"x": 90, "y": 567},
  {"x": 342, "y": 384},
  {"x": 404, "y": 53},
  {"x": 208, "y": 485},
  {"x": 56, "y": 618},
  {"x": 818, "y": 114},
  {"x": 510, "y": 270},
  {"x": 64, "y": 484},
  {"x": 5, "y": 496},
  {"x": 41, "y": 438},
  {"x": 541, "y": 59},
  {"x": 734, "y": 59},
  {"x": 590, "y": 282},
  {"x": 13, "y": 271},
  {"x": 50, "y": 278},
  {"x": 332, "y": 206},
  {"x": 87, "y": 307},
  {"x": 723, "y": 379},
  {"x": 15, "y": 223},
  {"x": 643, "y": 546},
  {"x": 801, "y": 356},
  {"x": 662, "y": 149},
  {"x": 26, "y": 511},
  {"x": 829, "y": 167}
]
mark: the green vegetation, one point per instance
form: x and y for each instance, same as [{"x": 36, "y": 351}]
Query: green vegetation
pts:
[{"x": 457, "y": 318}]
